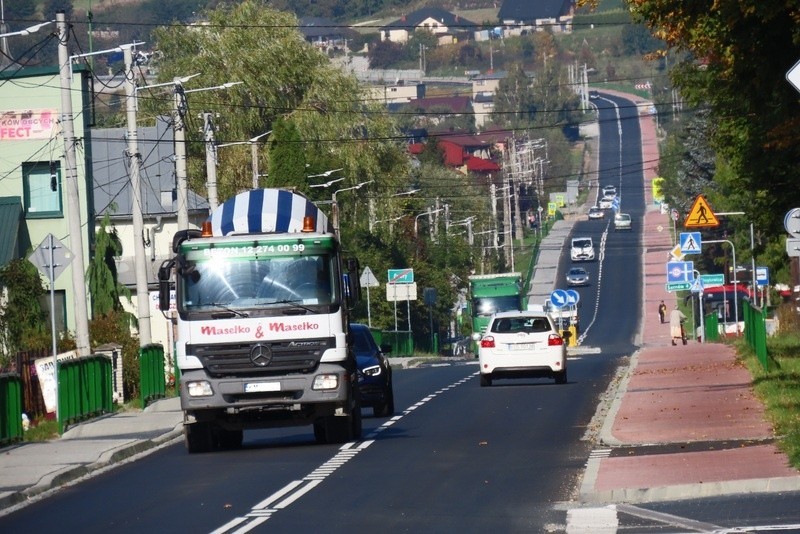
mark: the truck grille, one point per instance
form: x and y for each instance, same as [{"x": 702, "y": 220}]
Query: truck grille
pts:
[{"x": 261, "y": 359}]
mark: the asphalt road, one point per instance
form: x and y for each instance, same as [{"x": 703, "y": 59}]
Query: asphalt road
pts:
[{"x": 456, "y": 457}]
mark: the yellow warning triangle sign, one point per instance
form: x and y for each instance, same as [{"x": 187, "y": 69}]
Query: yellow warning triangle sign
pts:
[{"x": 701, "y": 215}]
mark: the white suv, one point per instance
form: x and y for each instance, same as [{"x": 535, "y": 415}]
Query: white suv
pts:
[
  {"x": 521, "y": 344},
  {"x": 582, "y": 249}
]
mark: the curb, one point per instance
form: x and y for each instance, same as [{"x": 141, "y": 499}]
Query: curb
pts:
[{"x": 107, "y": 460}]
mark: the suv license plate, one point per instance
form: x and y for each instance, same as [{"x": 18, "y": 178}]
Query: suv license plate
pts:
[
  {"x": 523, "y": 346},
  {"x": 261, "y": 387}
]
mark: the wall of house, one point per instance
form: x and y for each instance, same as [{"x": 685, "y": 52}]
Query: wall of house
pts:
[{"x": 31, "y": 134}]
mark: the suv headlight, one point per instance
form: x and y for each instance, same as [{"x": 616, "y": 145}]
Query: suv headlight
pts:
[{"x": 373, "y": 370}]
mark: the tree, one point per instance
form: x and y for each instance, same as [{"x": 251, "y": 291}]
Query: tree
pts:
[
  {"x": 104, "y": 286},
  {"x": 735, "y": 59},
  {"x": 282, "y": 76},
  {"x": 22, "y": 318}
]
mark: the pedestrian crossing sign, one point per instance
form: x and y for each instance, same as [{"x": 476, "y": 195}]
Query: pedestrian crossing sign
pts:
[
  {"x": 691, "y": 242},
  {"x": 701, "y": 215}
]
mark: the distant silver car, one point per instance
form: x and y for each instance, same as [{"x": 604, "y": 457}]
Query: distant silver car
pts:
[
  {"x": 596, "y": 213},
  {"x": 577, "y": 276},
  {"x": 622, "y": 221},
  {"x": 609, "y": 191}
]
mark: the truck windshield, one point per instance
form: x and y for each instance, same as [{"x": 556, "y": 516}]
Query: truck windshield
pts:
[
  {"x": 258, "y": 281},
  {"x": 486, "y": 306}
]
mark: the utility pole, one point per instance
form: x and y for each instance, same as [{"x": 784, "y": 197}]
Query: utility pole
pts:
[
  {"x": 211, "y": 160},
  {"x": 73, "y": 193},
  {"x": 179, "y": 127},
  {"x": 142, "y": 291}
]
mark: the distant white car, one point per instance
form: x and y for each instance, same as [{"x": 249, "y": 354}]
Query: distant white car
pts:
[
  {"x": 581, "y": 249},
  {"x": 521, "y": 344},
  {"x": 606, "y": 202},
  {"x": 622, "y": 221},
  {"x": 596, "y": 213},
  {"x": 609, "y": 191}
]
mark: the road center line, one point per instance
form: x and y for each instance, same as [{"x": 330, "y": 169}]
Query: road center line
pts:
[{"x": 295, "y": 489}]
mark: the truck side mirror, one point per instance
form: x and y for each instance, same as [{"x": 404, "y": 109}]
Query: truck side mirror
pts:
[{"x": 164, "y": 275}]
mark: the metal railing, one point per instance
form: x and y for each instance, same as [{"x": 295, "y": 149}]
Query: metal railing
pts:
[
  {"x": 84, "y": 389},
  {"x": 711, "y": 328},
  {"x": 10, "y": 408},
  {"x": 755, "y": 332},
  {"x": 152, "y": 380}
]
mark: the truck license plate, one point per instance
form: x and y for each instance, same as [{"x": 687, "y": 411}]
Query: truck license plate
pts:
[{"x": 261, "y": 387}]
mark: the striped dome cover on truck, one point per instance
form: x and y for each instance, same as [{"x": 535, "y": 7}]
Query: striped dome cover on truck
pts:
[{"x": 262, "y": 211}]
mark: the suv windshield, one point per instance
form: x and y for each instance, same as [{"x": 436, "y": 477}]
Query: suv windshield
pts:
[{"x": 582, "y": 243}]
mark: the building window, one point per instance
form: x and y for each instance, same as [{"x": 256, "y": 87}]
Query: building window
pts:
[{"x": 42, "y": 188}]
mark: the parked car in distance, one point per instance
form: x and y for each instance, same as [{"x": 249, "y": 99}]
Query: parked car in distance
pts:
[
  {"x": 596, "y": 213},
  {"x": 622, "y": 221},
  {"x": 521, "y": 344},
  {"x": 581, "y": 249},
  {"x": 374, "y": 371},
  {"x": 606, "y": 202},
  {"x": 609, "y": 191},
  {"x": 577, "y": 276}
]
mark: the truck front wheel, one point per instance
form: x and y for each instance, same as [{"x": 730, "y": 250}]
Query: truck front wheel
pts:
[{"x": 198, "y": 437}]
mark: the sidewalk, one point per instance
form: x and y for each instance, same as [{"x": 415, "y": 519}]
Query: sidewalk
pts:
[{"x": 684, "y": 422}]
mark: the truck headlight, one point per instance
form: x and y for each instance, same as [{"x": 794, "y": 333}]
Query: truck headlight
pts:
[
  {"x": 199, "y": 388},
  {"x": 373, "y": 370},
  {"x": 325, "y": 382}
]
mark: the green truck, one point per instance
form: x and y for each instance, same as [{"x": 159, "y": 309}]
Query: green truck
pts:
[{"x": 492, "y": 293}]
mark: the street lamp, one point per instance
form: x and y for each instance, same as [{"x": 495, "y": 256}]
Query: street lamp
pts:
[
  {"x": 326, "y": 184},
  {"x": 27, "y": 31},
  {"x": 253, "y": 153},
  {"x": 324, "y": 174},
  {"x": 335, "y": 207},
  {"x": 428, "y": 213}
]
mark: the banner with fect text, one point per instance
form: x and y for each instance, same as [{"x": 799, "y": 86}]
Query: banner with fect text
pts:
[{"x": 28, "y": 124}]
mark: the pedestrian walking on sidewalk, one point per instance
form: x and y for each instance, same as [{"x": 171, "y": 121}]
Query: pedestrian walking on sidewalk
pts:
[
  {"x": 662, "y": 312},
  {"x": 676, "y": 319}
]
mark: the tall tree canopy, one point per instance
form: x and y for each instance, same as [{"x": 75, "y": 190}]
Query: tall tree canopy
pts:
[
  {"x": 736, "y": 55},
  {"x": 282, "y": 76}
]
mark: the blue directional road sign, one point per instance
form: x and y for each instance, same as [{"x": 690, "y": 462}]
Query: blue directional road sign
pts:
[
  {"x": 573, "y": 297},
  {"x": 559, "y": 298},
  {"x": 680, "y": 271},
  {"x": 762, "y": 276},
  {"x": 691, "y": 242}
]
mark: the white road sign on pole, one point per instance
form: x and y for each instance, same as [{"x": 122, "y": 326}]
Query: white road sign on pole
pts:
[{"x": 793, "y": 76}]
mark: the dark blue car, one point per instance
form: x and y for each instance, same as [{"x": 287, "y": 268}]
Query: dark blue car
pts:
[{"x": 374, "y": 371}]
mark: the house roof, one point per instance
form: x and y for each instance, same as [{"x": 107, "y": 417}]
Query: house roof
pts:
[
  {"x": 315, "y": 27},
  {"x": 415, "y": 18},
  {"x": 10, "y": 216},
  {"x": 112, "y": 190},
  {"x": 475, "y": 164},
  {"x": 456, "y": 104},
  {"x": 529, "y": 11}
]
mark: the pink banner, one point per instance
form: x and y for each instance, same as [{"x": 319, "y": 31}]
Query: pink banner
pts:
[{"x": 27, "y": 124}]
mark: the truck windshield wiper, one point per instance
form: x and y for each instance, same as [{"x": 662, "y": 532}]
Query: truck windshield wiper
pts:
[
  {"x": 227, "y": 309},
  {"x": 297, "y": 305}
]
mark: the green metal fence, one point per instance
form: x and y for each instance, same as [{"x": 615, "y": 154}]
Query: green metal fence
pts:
[
  {"x": 402, "y": 342},
  {"x": 755, "y": 331},
  {"x": 84, "y": 388},
  {"x": 10, "y": 408},
  {"x": 711, "y": 328},
  {"x": 152, "y": 381}
]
